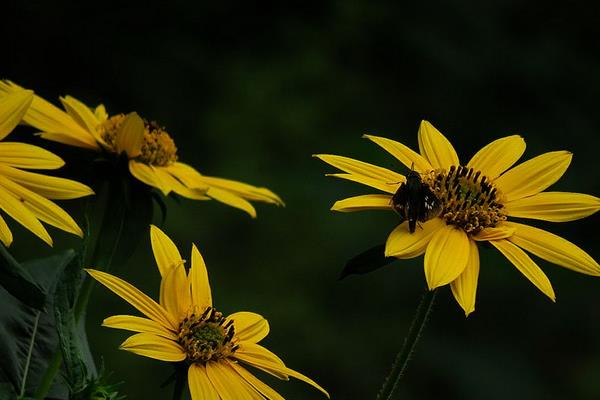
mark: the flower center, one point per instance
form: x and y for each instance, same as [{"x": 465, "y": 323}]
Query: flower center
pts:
[
  {"x": 158, "y": 147},
  {"x": 207, "y": 336},
  {"x": 469, "y": 199}
]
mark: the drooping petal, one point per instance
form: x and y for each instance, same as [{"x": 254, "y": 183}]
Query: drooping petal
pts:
[
  {"x": 12, "y": 109},
  {"x": 446, "y": 256},
  {"x": 261, "y": 358},
  {"x": 232, "y": 200},
  {"x": 154, "y": 346},
  {"x": 228, "y": 382},
  {"x": 464, "y": 288},
  {"x": 403, "y": 244},
  {"x": 145, "y": 173},
  {"x": 435, "y": 147},
  {"x": 534, "y": 175},
  {"x": 259, "y": 385},
  {"x": 502, "y": 231},
  {"x": 6, "y": 236},
  {"x": 249, "y": 326},
  {"x": 198, "y": 276},
  {"x": 364, "y": 202},
  {"x": 165, "y": 252},
  {"x": 187, "y": 174},
  {"x": 130, "y": 136},
  {"x": 22, "y": 215},
  {"x": 49, "y": 187},
  {"x": 135, "y": 297},
  {"x": 175, "y": 294},
  {"x": 526, "y": 265},
  {"x": 403, "y": 153},
  {"x": 70, "y": 140},
  {"x": 241, "y": 189},
  {"x": 305, "y": 379},
  {"x": 498, "y": 156},
  {"x": 83, "y": 115},
  {"x": 554, "y": 249},
  {"x": 362, "y": 169},
  {"x": 388, "y": 187},
  {"x": 200, "y": 386},
  {"x": 138, "y": 324},
  {"x": 554, "y": 206},
  {"x": 28, "y": 156},
  {"x": 170, "y": 181}
]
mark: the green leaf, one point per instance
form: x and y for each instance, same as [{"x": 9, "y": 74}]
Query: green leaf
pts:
[
  {"x": 19, "y": 282},
  {"x": 367, "y": 261},
  {"x": 28, "y": 336}
]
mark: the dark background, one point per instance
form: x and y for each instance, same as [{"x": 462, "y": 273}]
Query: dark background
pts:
[{"x": 250, "y": 91}]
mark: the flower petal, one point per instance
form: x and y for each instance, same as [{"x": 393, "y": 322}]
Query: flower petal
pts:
[
  {"x": 49, "y": 187},
  {"x": 261, "y": 358},
  {"x": 259, "y": 385},
  {"x": 13, "y": 107},
  {"x": 198, "y": 276},
  {"x": 249, "y": 326},
  {"x": 498, "y": 156},
  {"x": 526, "y": 265},
  {"x": 554, "y": 206},
  {"x": 138, "y": 324},
  {"x": 464, "y": 288},
  {"x": 534, "y": 175},
  {"x": 200, "y": 386},
  {"x": 305, "y": 379},
  {"x": 145, "y": 173},
  {"x": 364, "y": 202},
  {"x": 22, "y": 215},
  {"x": 446, "y": 256},
  {"x": 28, "y": 156},
  {"x": 403, "y": 153},
  {"x": 496, "y": 233},
  {"x": 6, "y": 236},
  {"x": 435, "y": 147},
  {"x": 165, "y": 252},
  {"x": 403, "y": 244},
  {"x": 388, "y": 187},
  {"x": 83, "y": 115},
  {"x": 175, "y": 294},
  {"x": 135, "y": 297},
  {"x": 153, "y": 346},
  {"x": 171, "y": 182},
  {"x": 228, "y": 383},
  {"x": 362, "y": 169},
  {"x": 241, "y": 189},
  {"x": 554, "y": 249},
  {"x": 130, "y": 136},
  {"x": 231, "y": 199}
]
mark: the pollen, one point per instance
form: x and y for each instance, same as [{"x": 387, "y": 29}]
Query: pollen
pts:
[
  {"x": 207, "y": 336},
  {"x": 469, "y": 199},
  {"x": 158, "y": 148}
]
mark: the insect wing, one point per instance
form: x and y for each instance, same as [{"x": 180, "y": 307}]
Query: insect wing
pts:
[{"x": 431, "y": 207}]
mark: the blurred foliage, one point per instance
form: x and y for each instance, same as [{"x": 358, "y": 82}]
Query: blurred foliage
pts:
[{"x": 250, "y": 92}]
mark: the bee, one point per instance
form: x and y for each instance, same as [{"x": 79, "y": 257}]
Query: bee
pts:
[{"x": 415, "y": 201}]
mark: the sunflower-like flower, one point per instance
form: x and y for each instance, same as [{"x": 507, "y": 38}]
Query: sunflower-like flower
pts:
[
  {"x": 151, "y": 151},
  {"x": 24, "y": 195},
  {"x": 186, "y": 327},
  {"x": 476, "y": 199}
]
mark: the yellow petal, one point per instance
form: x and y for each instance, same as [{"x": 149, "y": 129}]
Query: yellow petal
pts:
[
  {"x": 145, "y": 173},
  {"x": 22, "y": 155},
  {"x": 364, "y": 202},
  {"x": 42, "y": 208},
  {"x": 435, "y": 147},
  {"x": 6, "y": 236},
  {"x": 100, "y": 113},
  {"x": 70, "y": 140},
  {"x": 362, "y": 169},
  {"x": 388, "y": 187},
  {"x": 200, "y": 386},
  {"x": 12, "y": 109},
  {"x": 249, "y": 326},
  {"x": 403, "y": 153},
  {"x": 175, "y": 294},
  {"x": 403, "y": 244},
  {"x": 187, "y": 174},
  {"x": 130, "y": 136},
  {"x": 138, "y": 324},
  {"x": 82, "y": 115},
  {"x": 446, "y": 256},
  {"x": 232, "y": 200},
  {"x": 554, "y": 206},
  {"x": 22, "y": 215},
  {"x": 49, "y": 187},
  {"x": 171, "y": 182},
  {"x": 554, "y": 249},
  {"x": 198, "y": 276},
  {"x": 241, "y": 189},
  {"x": 526, "y": 265},
  {"x": 534, "y": 175},
  {"x": 153, "y": 346},
  {"x": 261, "y": 358},
  {"x": 135, "y": 297},
  {"x": 259, "y": 385},
  {"x": 498, "y": 156},
  {"x": 165, "y": 252},
  {"x": 464, "y": 288},
  {"x": 228, "y": 383},
  {"x": 305, "y": 379},
  {"x": 499, "y": 232}
]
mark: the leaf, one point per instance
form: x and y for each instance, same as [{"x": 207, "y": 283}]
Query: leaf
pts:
[
  {"x": 28, "y": 336},
  {"x": 18, "y": 282},
  {"x": 367, "y": 261}
]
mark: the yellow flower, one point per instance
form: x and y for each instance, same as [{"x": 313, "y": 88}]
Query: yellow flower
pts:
[
  {"x": 151, "y": 151},
  {"x": 25, "y": 195},
  {"x": 185, "y": 327},
  {"x": 476, "y": 198}
]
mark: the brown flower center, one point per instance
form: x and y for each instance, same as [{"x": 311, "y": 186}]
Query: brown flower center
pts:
[
  {"x": 158, "y": 147},
  {"x": 469, "y": 199},
  {"x": 207, "y": 336}
]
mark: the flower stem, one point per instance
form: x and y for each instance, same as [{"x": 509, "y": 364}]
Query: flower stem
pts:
[
  {"x": 180, "y": 382},
  {"x": 414, "y": 334}
]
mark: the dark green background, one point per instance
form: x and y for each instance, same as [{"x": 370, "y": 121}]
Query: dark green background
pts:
[{"x": 250, "y": 91}]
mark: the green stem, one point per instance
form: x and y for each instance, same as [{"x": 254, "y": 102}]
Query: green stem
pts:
[
  {"x": 29, "y": 352},
  {"x": 414, "y": 334},
  {"x": 180, "y": 384}
]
